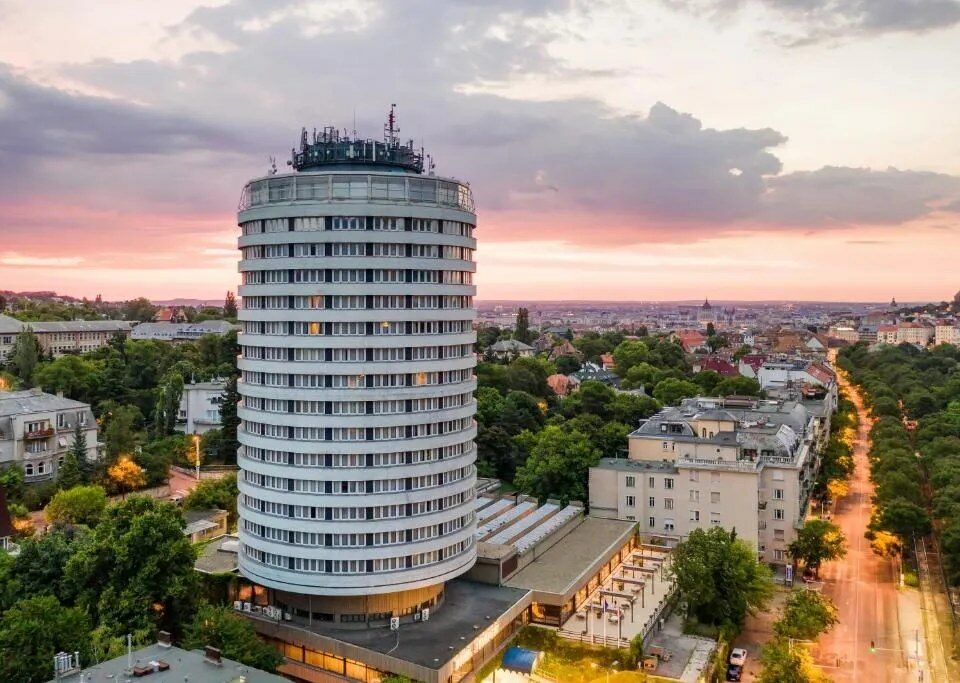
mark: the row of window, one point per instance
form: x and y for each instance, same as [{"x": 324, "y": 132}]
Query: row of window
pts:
[
  {"x": 391, "y": 433},
  {"x": 357, "y": 302},
  {"x": 315, "y": 275},
  {"x": 393, "y": 407},
  {"x": 301, "y": 328},
  {"x": 368, "y": 486},
  {"x": 358, "y": 459},
  {"x": 312, "y": 381},
  {"x": 369, "y": 540},
  {"x": 370, "y": 355},
  {"x": 373, "y": 512},
  {"x": 315, "y": 566},
  {"x": 356, "y": 249},
  {"x": 378, "y": 223}
]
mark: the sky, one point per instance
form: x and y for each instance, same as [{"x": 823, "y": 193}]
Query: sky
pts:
[{"x": 617, "y": 150}]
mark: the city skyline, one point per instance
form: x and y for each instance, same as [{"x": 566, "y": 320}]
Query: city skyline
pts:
[{"x": 759, "y": 156}]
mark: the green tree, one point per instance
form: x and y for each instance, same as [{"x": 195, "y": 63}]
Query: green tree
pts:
[
  {"x": 817, "y": 542},
  {"x": 903, "y": 518},
  {"x": 229, "y": 422},
  {"x": 230, "y": 305},
  {"x": 629, "y": 354},
  {"x": 737, "y": 386},
  {"x": 134, "y": 572},
  {"x": 39, "y": 568},
  {"x": 558, "y": 465},
  {"x": 169, "y": 393},
  {"x": 806, "y": 615},
  {"x": 218, "y": 494},
  {"x": 75, "y": 469},
  {"x": 78, "y": 378},
  {"x": 120, "y": 432},
  {"x": 567, "y": 365},
  {"x": 719, "y": 577},
  {"x": 35, "y": 629},
  {"x": 235, "y": 636},
  {"x": 78, "y": 505},
  {"x": 522, "y": 330},
  {"x": 138, "y": 309},
  {"x": 25, "y": 355},
  {"x": 671, "y": 391},
  {"x": 786, "y": 663}
]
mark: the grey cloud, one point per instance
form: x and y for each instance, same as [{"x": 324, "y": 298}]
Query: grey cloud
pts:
[
  {"x": 207, "y": 123},
  {"x": 858, "y": 195},
  {"x": 819, "y": 20}
]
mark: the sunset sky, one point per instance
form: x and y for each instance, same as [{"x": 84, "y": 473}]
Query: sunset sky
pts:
[{"x": 654, "y": 149}]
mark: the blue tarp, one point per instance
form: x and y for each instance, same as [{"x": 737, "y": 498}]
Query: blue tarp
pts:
[{"x": 520, "y": 660}]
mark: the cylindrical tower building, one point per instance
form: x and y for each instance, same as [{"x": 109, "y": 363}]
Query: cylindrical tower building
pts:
[{"x": 357, "y": 434}]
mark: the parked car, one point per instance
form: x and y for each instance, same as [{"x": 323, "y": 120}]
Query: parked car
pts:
[
  {"x": 734, "y": 672},
  {"x": 177, "y": 497},
  {"x": 738, "y": 656}
]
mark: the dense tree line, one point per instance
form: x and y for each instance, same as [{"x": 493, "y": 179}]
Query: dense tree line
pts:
[
  {"x": 104, "y": 571},
  {"x": 906, "y": 387}
]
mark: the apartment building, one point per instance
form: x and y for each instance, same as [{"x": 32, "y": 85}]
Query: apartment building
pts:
[
  {"x": 906, "y": 333},
  {"x": 58, "y": 337},
  {"x": 37, "y": 429},
  {"x": 200, "y": 407},
  {"x": 946, "y": 332},
  {"x": 181, "y": 332},
  {"x": 737, "y": 463}
]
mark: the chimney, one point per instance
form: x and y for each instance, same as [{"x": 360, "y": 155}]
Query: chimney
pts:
[
  {"x": 212, "y": 654},
  {"x": 163, "y": 639}
]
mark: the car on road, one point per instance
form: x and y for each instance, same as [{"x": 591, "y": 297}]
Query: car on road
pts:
[
  {"x": 738, "y": 656},
  {"x": 734, "y": 672},
  {"x": 177, "y": 497}
]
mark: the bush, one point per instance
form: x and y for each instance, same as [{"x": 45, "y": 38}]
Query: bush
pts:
[{"x": 911, "y": 579}]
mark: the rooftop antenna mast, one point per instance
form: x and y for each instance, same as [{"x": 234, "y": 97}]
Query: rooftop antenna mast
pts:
[{"x": 390, "y": 129}]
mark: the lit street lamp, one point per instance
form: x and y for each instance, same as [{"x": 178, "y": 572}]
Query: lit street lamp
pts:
[{"x": 196, "y": 443}]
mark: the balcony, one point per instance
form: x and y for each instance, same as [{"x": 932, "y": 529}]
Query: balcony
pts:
[{"x": 44, "y": 433}]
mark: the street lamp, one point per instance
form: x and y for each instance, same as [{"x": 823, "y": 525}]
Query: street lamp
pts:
[{"x": 196, "y": 443}]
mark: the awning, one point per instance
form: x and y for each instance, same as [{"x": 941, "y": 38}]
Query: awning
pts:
[{"x": 520, "y": 660}]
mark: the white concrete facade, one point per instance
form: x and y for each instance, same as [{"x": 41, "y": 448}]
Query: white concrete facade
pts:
[
  {"x": 357, "y": 432},
  {"x": 200, "y": 407}
]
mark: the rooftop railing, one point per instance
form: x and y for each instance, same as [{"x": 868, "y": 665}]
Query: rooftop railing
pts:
[{"x": 369, "y": 187}]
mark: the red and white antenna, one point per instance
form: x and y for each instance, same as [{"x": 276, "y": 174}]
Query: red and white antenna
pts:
[{"x": 390, "y": 129}]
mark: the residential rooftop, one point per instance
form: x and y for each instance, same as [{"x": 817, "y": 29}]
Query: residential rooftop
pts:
[
  {"x": 184, "y": 665},
  {"x": 31, "y": 401}
]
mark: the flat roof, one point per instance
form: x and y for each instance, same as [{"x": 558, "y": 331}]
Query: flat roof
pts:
[
  {"x": 627, "y": 465},
  {"x": 184, "y": 665},
  {"x": 468, "y": 608},
  {"x": 570, "y": 558},
  {"x": 218, "y": 556}
]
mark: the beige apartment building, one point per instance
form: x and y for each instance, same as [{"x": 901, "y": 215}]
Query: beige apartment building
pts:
[
  {"x": 737, "y": 463},
  {"x": 58, "y": 337},
  {"x": 946, "y": 332}
]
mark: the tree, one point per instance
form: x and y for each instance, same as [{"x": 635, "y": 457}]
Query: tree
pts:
[
  {"x": 629, "y": 354},
  {"x": 126, "y": 474},
  {"x": 806, "y": 615},
  {"x": 817, "y": 542},
  {"x": 711, "y": 330},
  {"x": 522, "y": 331},
  {"x": 78, "y": 505},
  {"x": 230, "y": 305},
  {"x": 120, "y": 430},
  {"x": 25, "y": 355},
  {"x": 719, "y": 577},
  {"x": 138, "y": 309},
  {"x": 169, "y": 393},
  {"x": 558, "y": 465},
  {"x": 235, "y": 637},
  {"x": 786, "y": 663},
  {"x": 34, "y": 630},
  {"x": 218, "y": 494},
  {"x": 229, "y": 422},
  {"x": 75, "y": 469},
  {"x": 567, "y": 365},
  {"x": 134, "y": 572},
  {"x": 737, "y": 386},
  {"x": 39, "y": 568},
  {"x": 78, "y": 378},
  {"x": 903, "y": 518},
  {"x": 671, "y": 391}
]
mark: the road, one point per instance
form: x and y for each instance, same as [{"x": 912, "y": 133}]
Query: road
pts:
[{"x": 863, "y": 586}]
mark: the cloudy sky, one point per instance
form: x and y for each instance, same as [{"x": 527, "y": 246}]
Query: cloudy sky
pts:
[{"x": 654, "y": 149}]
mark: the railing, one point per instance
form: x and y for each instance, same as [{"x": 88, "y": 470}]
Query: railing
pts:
[
  {"x": 739, "y": 465},
  {"x": 356, "y": 187},
  {"x": 38, "y": 433}
]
